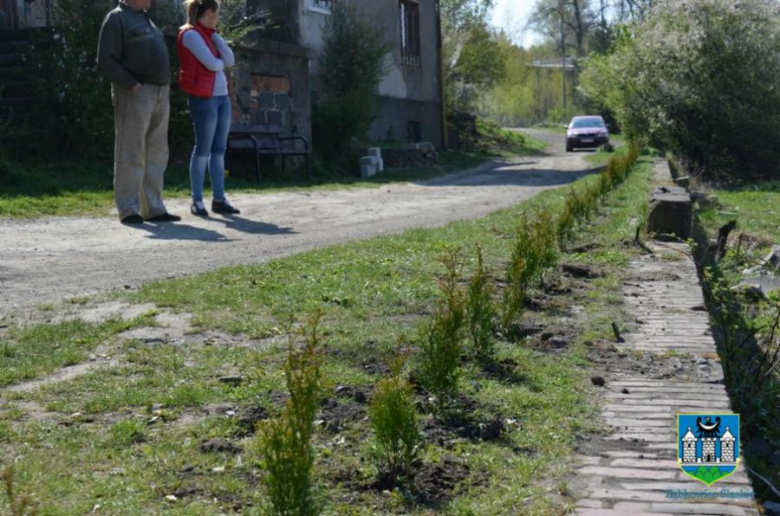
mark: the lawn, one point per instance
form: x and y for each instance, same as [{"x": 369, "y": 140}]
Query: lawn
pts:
[
  {"x": 135, "y": 437},
  {"x": 756, "y": 207}
]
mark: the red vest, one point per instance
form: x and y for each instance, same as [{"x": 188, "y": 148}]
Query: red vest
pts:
[{"x": 194, "y": 78}]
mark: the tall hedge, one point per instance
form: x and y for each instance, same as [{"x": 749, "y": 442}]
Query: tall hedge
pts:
[{"x": 699, "y": 78}]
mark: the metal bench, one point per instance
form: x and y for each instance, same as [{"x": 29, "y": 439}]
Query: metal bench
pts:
[{"x": 266, "y": 140}]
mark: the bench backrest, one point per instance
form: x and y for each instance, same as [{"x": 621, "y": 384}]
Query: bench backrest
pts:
[{"x": 256, "y": 129}]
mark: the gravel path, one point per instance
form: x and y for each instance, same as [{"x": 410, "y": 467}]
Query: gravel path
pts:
[{"x": 50, "y": 259}]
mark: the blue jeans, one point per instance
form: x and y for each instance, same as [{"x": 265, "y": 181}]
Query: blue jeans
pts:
[{"x": 212, "y": 124}]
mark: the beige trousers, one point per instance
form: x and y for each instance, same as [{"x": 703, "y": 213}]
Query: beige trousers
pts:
[{"x": 140, "y": 149}]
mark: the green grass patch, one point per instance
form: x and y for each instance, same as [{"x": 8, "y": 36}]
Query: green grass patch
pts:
[
  {"x": 756, "y": 207},
  {"x": 602, "y": 157},
  {"x": 497, "y": 141},
  {"x": 27, "y": 353},
  {"x": 137, "y": 446}
]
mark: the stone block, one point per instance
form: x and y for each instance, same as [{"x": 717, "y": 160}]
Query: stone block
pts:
[
  {"x": 772, "y": 508},
  {"x": 426, "y": 148},
  {"x": 772, "y": 260},
  {"x": 703, "y": 200},
  {"x": 371, "y": 161},
  {"x": 380, "y": 165},
  {"x": 374, "y": 151},
  {"x": 274, "y": 117},
  {"x": 266, "y": 100},
  {"x": 671, "y": 212},
  {"x": 266, "y": 117},
  {"x": 282, "y": 102},
  {"x": 763, "y": 284},
  {"x": 683, "y": 181},
  {"x": 367, "y": 171}
]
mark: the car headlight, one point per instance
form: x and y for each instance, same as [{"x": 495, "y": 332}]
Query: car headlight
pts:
[{"x": 603, "y": 134}]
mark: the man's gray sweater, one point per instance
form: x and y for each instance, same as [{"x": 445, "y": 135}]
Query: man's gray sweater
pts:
[{"x": 132, "y": 49}]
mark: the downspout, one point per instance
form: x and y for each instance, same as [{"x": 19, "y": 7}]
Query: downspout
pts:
[{"x": 440, "y": 50}]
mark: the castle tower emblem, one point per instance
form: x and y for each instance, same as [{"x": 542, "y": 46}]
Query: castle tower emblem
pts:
[{"x": 708, "y": 445}]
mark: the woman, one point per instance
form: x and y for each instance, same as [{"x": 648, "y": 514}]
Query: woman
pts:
[{"x": 203, "y": 57}]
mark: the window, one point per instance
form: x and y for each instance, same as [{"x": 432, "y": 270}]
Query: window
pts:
[
  {"x": 321, "y": 6},
  {"x": 410, "y": 33}
]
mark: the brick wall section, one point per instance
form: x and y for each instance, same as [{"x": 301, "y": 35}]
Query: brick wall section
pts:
[{"x": 271, "y": 85}]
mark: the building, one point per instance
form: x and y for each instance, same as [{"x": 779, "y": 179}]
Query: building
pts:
[
  {"x": 276, "y": 73},
  {"x": 25, "y": 14},
  {"x": 410, "y": 95},
  {"x": 708, "y": 450}
]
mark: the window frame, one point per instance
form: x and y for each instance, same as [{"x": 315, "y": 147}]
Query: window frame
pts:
[
  {"x": 411, "y": 41},
  {"x": 322, "y": 10}
]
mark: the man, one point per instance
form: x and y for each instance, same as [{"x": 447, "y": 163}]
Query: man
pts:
[{"x": 132, "y": 54}]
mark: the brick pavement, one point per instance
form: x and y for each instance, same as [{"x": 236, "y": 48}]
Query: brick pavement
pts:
[{"x": 636, "y": 466}]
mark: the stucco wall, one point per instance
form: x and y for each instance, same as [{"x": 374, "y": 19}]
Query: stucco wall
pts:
[
  {"x": 406, "y": 93},
  {"x": 394, "y": 115}
]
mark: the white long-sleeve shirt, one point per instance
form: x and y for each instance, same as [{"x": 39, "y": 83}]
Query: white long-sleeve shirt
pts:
[{"x": 193, "y": 42}]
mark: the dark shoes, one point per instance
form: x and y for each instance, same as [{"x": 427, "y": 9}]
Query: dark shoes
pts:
[
  {"x": 165, "y": 217},
  {"x": 198, "y": 209},
  {"x": 133, "y": 219},
  {"x": 224, "y": 207}
]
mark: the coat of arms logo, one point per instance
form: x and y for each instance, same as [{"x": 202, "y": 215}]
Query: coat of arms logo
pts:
[{"x": 708, "y": 445}]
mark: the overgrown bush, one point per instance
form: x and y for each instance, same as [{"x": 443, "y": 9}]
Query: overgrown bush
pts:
[
  {"x": 441, "y": 346},
  {"x": 285, "y": 442},
  {"x": 481, "y": 311},
  {"x": 394, "y": 423},
  {"x": 76, "y": 113},
  {"x": 352, "y": 61},
  {"x": 698, "y": 78}
]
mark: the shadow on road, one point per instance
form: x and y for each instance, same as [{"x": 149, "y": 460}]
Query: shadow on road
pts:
[
  {"x": 509, "y": 174},
  {"x": 187, "y": 232},
  {"x": 181, "y": 232},
  {"x": 253, "y": 227}
]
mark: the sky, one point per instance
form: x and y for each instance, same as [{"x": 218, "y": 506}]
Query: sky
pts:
[{"x": 512, "y": 15}]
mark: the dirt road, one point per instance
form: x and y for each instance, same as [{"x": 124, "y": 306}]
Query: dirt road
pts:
[{"x": 54, "y": 258}]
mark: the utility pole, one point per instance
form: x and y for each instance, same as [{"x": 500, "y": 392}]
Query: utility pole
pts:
[{"x": 563, "y": 63}]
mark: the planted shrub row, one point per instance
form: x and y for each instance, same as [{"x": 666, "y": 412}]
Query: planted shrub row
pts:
[{"x": 465, "y": 313}]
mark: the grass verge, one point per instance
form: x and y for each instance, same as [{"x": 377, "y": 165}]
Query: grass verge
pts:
[{"x": 167, "y": 430}]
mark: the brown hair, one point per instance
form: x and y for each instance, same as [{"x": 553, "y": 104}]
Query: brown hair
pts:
[{"x": 196, "y": 8}]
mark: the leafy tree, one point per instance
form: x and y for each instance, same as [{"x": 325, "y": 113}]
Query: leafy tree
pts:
[
  {"x": 567, "y": 22},
  {"x": 699, "y": 78},
  {"x": 473, "y": 58},
  {"x": 525, "y": 95},
  {"x": 353, "y": 64}
]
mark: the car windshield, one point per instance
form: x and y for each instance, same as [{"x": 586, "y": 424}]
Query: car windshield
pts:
[{"x": 579, "y": 123}]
